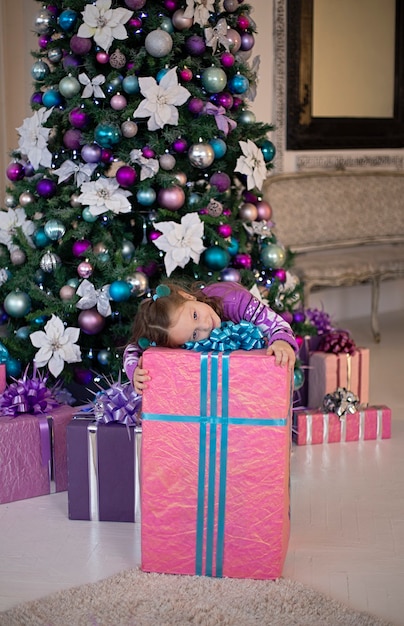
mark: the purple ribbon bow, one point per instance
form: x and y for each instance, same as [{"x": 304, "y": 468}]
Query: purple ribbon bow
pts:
[{"x": 224, "y": 123}]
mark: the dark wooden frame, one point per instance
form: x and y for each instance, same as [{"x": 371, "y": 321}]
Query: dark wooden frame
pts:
[{"x": 305, "y": 132}]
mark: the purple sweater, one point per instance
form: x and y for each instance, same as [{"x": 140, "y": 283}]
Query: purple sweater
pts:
[{"x": 238, "y": 304}]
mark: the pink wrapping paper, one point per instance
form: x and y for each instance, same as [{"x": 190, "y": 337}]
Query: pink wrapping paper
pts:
[
  {"x": 256, "y": 502},
  {"x": 2, "y": 377},
  {"x": 22, "y": 474},
  {"x": 312, "y": 427},
  {"x": 328, "y": 371}
]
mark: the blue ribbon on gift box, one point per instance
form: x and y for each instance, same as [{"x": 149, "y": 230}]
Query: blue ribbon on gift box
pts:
[{"x": 213, "y": 420}]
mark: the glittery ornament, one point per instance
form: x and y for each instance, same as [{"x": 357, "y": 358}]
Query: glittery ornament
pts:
[
  {"x": 214, "y": 208},
  {"x": 44, "y": 22},
  {"x": 158, "y": 43},
  {"x": 117, "y": 60},
  {"x": 54, "y": 229},
  {"x": 129, "y": 129},
  {"x": 49, "y": 262},
  {"x": 40, "y": 70}
]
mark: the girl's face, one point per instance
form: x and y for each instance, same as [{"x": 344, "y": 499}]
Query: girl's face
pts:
[{"x": 193, "y": 321}]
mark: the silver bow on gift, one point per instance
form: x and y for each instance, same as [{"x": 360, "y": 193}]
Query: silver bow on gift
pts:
[
  {"x": 341, "y": 402},
  {"x": 92, "y": 87},
  {"x": 90, "y": 297}
]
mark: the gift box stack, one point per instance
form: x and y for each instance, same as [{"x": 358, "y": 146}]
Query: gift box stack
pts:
[
  {"x": 338, "y": 395},
  {"x": 33, "y": 426},
  {"x": 215, "y": 464},
  {"x": 103, "y": 452}
]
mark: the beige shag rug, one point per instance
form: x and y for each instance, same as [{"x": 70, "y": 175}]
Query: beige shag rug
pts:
[{"x": 134, "y": 598}]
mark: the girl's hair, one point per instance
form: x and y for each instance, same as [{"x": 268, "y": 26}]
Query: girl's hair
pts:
[{"x": 154, "y": 316}]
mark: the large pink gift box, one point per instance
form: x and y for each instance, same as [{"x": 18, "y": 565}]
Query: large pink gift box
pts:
[
  {"x": 329, "y": 371},
  {"x": 216, "y": 438},
  {"x": 311, "y": 427},
  {"x": 33, "y": 454}
]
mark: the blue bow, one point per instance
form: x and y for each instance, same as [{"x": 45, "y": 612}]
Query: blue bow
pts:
[{"x": 230, "y": 336}]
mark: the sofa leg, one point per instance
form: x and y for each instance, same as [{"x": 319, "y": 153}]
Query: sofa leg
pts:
[{"x": 375, "y": 306}]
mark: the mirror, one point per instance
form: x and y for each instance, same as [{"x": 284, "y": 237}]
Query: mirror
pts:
[{"x": 324, "y": 108}]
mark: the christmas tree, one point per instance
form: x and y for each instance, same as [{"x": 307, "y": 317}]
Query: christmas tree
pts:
[{"x": 142, "y": 159}]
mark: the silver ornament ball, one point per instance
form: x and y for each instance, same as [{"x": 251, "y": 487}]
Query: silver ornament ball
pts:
[
  {"x": 49, "y": 262},
  {"x": 139, "y": 283},
  {"x": 158, "y": 43},
  {"x": 201, "y": 155}
]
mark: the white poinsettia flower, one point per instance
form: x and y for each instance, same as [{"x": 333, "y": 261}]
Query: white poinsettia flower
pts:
[
  {"x": 181, "y": 242},
  {"x": 57, "y": 345},
  {"x": 161, "y": 100},
  {"x": 200, "y": 10},
  {"x": 104, "y": 24},
  {"x": 3, "y": 276},
  {"x": 33, "y": 140},
  {"x": 82, "y": 171},
  {"x": 251, "y": 164},
  {"x": 217, "y": 35},
  {"x": 105, "y": 194},
  {"x": 149, "y": 167},
  {"x": 10, "y": 221}
]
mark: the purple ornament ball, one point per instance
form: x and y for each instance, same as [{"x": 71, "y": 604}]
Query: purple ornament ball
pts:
[
  {"x": 15, "y": 171},
  {"x": 107, "y": 156},
  {"x": 126, "y": 176},
  {"x": 195, "y": 45},
  {"x": 221, "y": 181},
  {"x": 82, "y": 376},
  {"x": 43, "y": 41},
  {"x": 72, "y": 139},
  {"x": 71, "y": 60},
  {"x": 171, "y": 198},
  {"x": 154, "y": 234},
  {"x": 46, "y": 188},
  {"x": 299, "y": 317},
  {"x": 91, "y": 153},
  {"x": 225, "y": 99},
  {"x": 230, "y": 274},
  {"x": 79, "y": 118},
  {"x": 280, "y": 274},
  {"x": 170, "y": 5},
  {"x": 224, "y": 230},
  {"x": 36, "y": 98},
  {"x": 227, "y": 59},
  {"x": 80, "y": 246},
  {"x": 242, "y": 261},
  {"x": 148, "y": 152},
  {"x": 180, "y": 145},
  {"x": 195, "y": 106},
  {"x": 264, "y": 211},
  {"x": 247, "y": 41},
  {"x": 80, "y": 45}
]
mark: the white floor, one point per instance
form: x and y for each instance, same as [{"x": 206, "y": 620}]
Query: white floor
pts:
[{"x": 347, "y": 534}]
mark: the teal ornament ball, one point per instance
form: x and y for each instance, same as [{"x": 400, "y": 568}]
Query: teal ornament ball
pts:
[
  {"x": 130, "y": 84},
  {"x": 40, "y": 70},
  {"x": 239, "y": 84},
  {"x": 107, "y": 135},
  {"x": 52, "y": 98},
  {"x": 273, "y": 256},
  {"x": 167, "y": 25},
  {"x": 114, "y": 84},
  {"x": 23, "y": 333},
  {"x": 219, "y": 147},
  {"x": 67, "y": 20},
  {"x": 214, "y": 79},
  {"x": 17, "y": 304},
  {"x": 40, "y": 238},
  {"x": 233, "y": 246},
  {"x": 69, "y": 86},
  {"x": 298, "y": 378},
  {"x": 54, "y": 229},
  {"x": 146, "y": 197},
  {"x": 119, "y": 290},
  {"x": 13, "y": 367},
  {"x": 246, "y": 117},
  {"x": 88, "y": 216},
  {"x": 268, "y": 150},
  {"x": 216, "y": 258}
]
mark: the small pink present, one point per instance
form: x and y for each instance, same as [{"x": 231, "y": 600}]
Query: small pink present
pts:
[
  {"x": 33, "y": 454},
  {"x": 328, "y": 371},
  {"x": 215, "y": 464},
  {"x": 313, "y": 426}
]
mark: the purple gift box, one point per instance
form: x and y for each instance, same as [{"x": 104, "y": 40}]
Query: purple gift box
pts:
[{"x": 103, "y": 476}]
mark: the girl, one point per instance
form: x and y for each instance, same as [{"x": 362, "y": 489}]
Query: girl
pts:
[{"x": 190, "y": 314}]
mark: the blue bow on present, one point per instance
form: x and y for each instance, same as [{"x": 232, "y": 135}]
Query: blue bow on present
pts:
[{"x": 229, "y": 337}]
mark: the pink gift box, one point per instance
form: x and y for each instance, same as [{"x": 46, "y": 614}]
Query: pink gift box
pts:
[
  {"x": 215, "y": 464},
  {"x": 328, "y": 371},
  {"x": 311, "y": 427},
  {"x": 26, "y": 470},
  {"x": 2, "y": 377}
]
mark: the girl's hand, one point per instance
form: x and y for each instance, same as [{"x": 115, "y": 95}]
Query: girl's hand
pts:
[
  {"x": 284, "y": 354},
  {"x": 140, "y": 377}
]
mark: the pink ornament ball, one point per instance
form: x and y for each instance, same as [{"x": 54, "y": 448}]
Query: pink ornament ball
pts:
[
  {"x": 170, "y": 5},
  {"x": 126, "y": 176},
  {"x": 243, "y": 22},
  {"x": 67, "y": 293},
  {"x": 171, "y": 198},
  {"x": 195, "y": 106},
  {"x": 46, "y": 188},
  {"x": 280, "y": 274},
  {"x": 79, "y": 118},
  {"x": 148, "y": 152},
  {"x": 299, "y": 341},
  {"x": 242, "y": 261},
  {"x": 15, "y": 171},
  {"x": 180, "y": 22},
  {"x": 221, "y": 181},
  {"x": 186, "y": 75},
  {"x": 80, "y": 45},
  {"x": 264, "y": 211},
  {"x": 85, "y": 269},
  {"x": 180, "y": 145},
  {"x": 72, "y": 139},
  {"x": 154, "y": 234},
  {"x": 118, "y": 102},
  {"x": 234, "y": 39},
  {"x": 237, "y": 102},
  {"x": 107, "y": 156},
  {"x": 227, "y": 59},
  {"x": 102, "y": 57},
  {"x": 135, "y": 23},
  {"x": 248, "y": 212},
  {"x": 225, "y": 99},
  {"x": 91, "y": 322},
  {"x": 224, "y": 230},
  {"x": 80, "y": 246}
]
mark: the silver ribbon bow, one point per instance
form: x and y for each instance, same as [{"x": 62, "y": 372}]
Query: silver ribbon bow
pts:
[
  {"x": 82, "y": 172},
  {"x": 92, "y": 86},
  {"x": 216, "y": 35},
  {"x": 149, "y": 167},
  {"x": 90, "y": 297}
]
